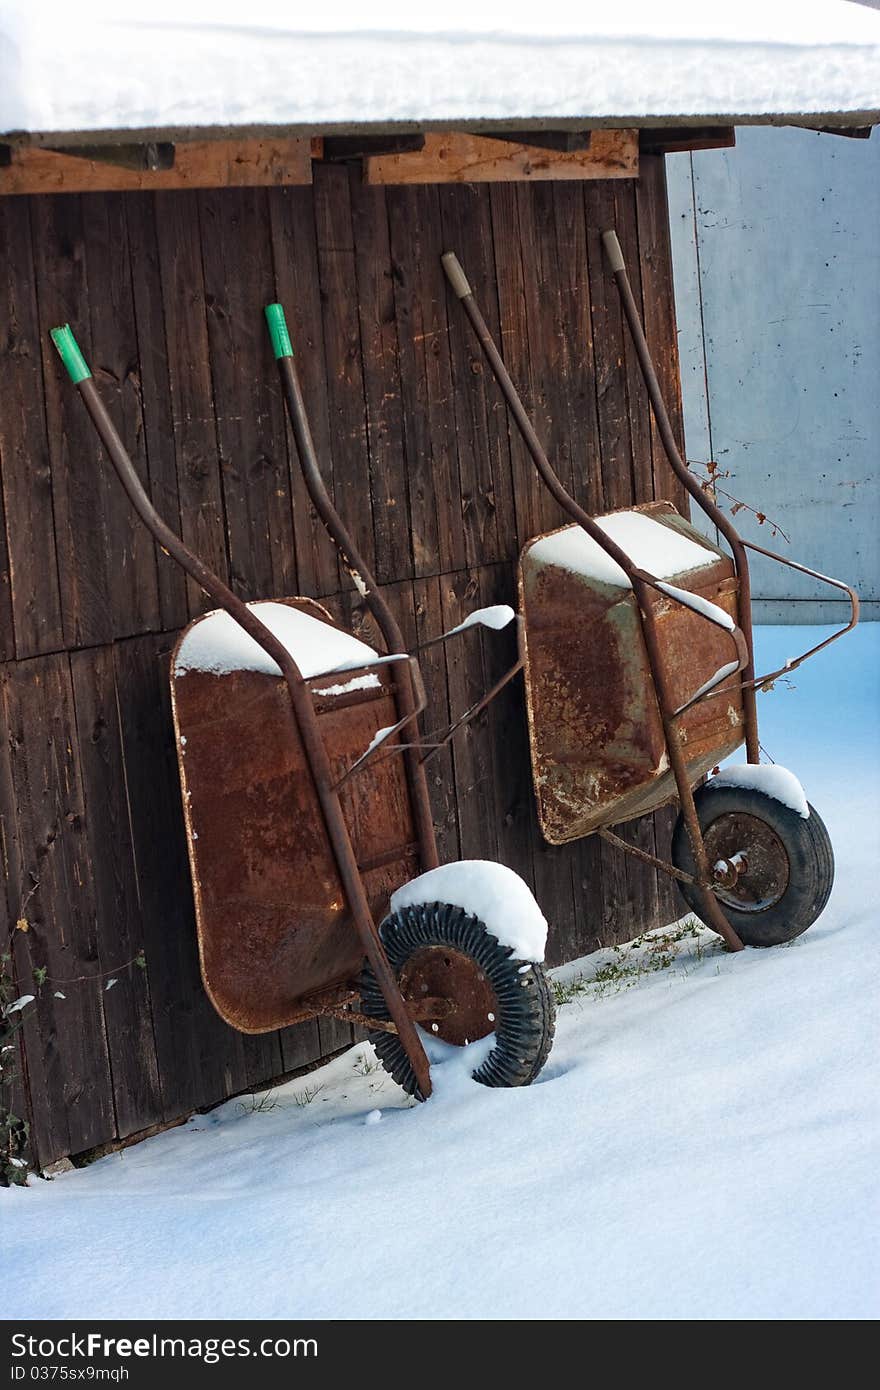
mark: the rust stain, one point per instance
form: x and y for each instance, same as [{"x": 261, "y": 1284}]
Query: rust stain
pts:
[
  {"x": 273, "y": 925},
  {"x": 597, "y": 743}
]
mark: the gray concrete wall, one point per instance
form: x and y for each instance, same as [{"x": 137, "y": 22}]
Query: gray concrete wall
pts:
[{"x": 776, "y": 250}]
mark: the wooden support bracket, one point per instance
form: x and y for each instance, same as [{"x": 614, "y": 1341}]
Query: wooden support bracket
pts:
[
  {"x": 454, "y": 157},
  {"x": 151, "y": 156},
  {"x": 196, "y": 164}
]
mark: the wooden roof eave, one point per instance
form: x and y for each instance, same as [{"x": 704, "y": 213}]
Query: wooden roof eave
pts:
[{"x": 842, "y": 121}]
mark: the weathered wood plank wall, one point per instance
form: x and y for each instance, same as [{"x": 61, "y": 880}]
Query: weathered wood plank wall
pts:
[{"x": 165, "y": 292}]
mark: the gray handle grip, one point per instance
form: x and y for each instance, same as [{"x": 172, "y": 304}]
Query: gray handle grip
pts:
[
  {"x": 455, "y": 275},
  {"x": 613, "y": 251}
]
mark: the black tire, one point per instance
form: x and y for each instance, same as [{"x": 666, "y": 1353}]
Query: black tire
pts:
[
  {"x": 523, "y": 1008},
  {"x": 791, "y": 872},
  {"x": 825, "y": 857}
]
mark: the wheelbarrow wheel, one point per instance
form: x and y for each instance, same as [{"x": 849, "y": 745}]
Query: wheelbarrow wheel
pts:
[
  {"x": 787, "y": 863},
  {"x": 440, "y": 952}
]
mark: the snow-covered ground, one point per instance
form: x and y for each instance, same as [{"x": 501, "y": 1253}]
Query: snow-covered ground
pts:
[{"x": 701, "y": 1145}]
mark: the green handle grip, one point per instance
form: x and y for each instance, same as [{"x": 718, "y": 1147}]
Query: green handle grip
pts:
[
  {"x": 68, "y": 351},
  {"x": 278, "y": 331}
]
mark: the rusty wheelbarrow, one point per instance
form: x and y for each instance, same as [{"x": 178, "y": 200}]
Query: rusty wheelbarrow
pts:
[
  {"x": 636, "y": 639},
  {"x": 308, "y": 820}
]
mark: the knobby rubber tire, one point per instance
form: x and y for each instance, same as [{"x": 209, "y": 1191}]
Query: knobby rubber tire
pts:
[
  {"x": 526, "y": 1013},
  {"x": 810, "y": 863}
]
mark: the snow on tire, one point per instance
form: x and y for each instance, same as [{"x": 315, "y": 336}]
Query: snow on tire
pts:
[
  {"x": 789, "y": 862},
  {"x": 442, "y": 952}
]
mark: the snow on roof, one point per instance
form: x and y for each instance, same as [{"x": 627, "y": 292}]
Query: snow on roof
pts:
[{"x": 186, "y": 65}]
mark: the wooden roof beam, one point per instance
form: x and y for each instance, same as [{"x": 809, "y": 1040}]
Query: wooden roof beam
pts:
[
  {"x": 826, "y": 120},
  {"x": 675, "y": 139}
]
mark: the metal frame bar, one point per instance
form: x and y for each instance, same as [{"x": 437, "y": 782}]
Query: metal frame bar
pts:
[
  {"x": 719, "y": 687},
  {"x": 638, "y": 853},
  {"x": 360, "y": 763},
  {"x": 447, "y": 733},
  {"x": 433, "y": 742}
]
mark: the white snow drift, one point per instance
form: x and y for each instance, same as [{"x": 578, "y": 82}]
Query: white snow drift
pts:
[
  {"x": 701, "y": 1146},
  {"x": 178, "y": 64}
]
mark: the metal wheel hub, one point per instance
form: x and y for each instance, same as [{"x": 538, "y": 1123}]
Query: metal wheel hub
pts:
[
  {"x": 439, "y": 972},
  {"x": 757, "y": 857}
]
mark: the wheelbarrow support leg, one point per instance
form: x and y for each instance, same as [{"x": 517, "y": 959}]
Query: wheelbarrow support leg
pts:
[{"x": 300, "y": 697}]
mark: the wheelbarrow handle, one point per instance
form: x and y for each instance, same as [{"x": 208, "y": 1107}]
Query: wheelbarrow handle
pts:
[
  {"x": 750, "y": 682},
  {"x": 207, "y": 580},
  {"x": 69, "y": 352},
  {"x": 455, "y": 275},
  {"x": 320, "y": 498},
  {"x": 410, "y": 689},
  {"x": 613, "y": 251},
  {"x": 277, "y": 323},
  {"x": 617, "y": 265}
]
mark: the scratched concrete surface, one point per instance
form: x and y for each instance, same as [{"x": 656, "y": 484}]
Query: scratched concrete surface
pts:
[{"x": 777, "y": 277}]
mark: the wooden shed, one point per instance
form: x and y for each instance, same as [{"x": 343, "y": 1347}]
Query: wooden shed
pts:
[{"x": 159, "y": 239}]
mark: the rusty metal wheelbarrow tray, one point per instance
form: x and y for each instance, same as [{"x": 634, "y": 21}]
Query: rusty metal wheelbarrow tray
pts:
[
  {"x": 256, "y": 839},
  {"x": 597, "y": 742}
]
